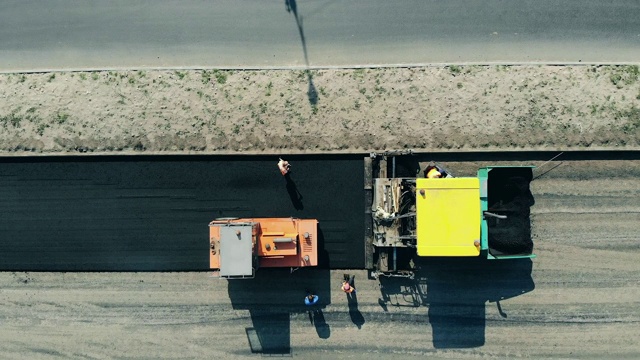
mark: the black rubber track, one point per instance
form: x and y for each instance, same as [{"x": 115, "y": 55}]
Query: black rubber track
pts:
[{"x": 148, "y": 213}]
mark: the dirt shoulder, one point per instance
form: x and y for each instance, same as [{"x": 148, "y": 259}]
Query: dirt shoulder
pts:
[{"x": 211, "y": 111}]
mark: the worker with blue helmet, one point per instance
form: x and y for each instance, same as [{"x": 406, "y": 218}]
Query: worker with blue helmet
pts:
[{"x": 311, "y": 299}]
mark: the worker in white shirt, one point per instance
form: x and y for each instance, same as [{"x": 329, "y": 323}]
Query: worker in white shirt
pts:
[{"x": 284, "y": 167}]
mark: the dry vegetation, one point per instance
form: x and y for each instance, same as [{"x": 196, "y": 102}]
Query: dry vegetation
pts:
[{"x": 213, "y": 111}]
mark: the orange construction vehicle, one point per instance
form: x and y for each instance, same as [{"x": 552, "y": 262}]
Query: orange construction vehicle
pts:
[{"x": 238, "y": 247}]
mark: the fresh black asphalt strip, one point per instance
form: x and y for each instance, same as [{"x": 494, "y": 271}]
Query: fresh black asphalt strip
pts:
[{"x": 150, "y": 213}]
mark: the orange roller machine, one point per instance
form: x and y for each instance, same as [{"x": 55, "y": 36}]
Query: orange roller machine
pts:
[{"x": 238, "y": 247}]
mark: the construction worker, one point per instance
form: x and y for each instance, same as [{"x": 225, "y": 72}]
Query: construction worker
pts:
[
  {"x": 284, "y": 167},
  {"x": 311, "y": 299},
  {"x": 434, "y": 174},
  {"x": 346, "y": 287},
  {"x": 347, "y": 284},
  {"x": 431, "y": 172}
]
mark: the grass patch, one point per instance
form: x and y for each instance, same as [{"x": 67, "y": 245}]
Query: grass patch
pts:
[
  {"x": 206, "y": 77},
  {"x": 269, "y": 87},
  {"x": 632, "y": 117},
  {"x": 61, "y": 118},
  {"x": 263, "y": 107},
  {"x": 41, "y": 128},
  {"x": 12, "y": 119},
  {"x": 51, "y": 77},
  {"x": 624, "y": 75},
  {"x": 455, "y": 69},
  {"x": 221, "y": 76},
  {"x": 358, "y": 74}
]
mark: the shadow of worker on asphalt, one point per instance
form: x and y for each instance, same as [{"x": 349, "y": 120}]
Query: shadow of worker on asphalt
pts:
[
  {"x": 294, "y": 193},
  {"x": 316, "y": 317},
  {"x": 456, "y": 291}
]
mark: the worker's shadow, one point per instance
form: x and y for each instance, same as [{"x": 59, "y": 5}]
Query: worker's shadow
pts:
[
  {"x": 316, "y": 317},
  {"x": 354, "y": 313},
  {"x": 294, "y": 193}
]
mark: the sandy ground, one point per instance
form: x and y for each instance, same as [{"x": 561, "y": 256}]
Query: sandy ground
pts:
[
  {"x": 581, "y": 299},
  {"x": 211, "y": 111}
]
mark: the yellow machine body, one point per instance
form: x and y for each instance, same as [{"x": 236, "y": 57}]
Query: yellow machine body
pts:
[{"x": 448, "y": 217}]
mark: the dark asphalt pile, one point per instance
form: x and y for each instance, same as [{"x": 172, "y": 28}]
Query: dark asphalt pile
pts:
[
  {"x": 509, "y": 194},
  {"x": 152, "y": 213}
]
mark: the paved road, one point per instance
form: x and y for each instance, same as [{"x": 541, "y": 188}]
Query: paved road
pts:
[
  {"x": 119, "y": 213},
  {"x": 59, "y": 34},
  {"x": 578, "y": 299}
]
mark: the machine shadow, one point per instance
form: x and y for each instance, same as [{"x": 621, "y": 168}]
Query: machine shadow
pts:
[
  {"x": 323, "y": 255},
  {"x": 456, "y": 291},
  {"x": 271, "y": 297}
]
